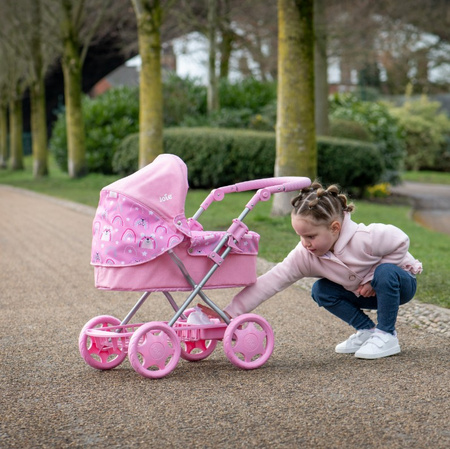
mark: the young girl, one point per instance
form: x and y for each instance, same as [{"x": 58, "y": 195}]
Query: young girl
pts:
[{"x": 359, "y": 266}]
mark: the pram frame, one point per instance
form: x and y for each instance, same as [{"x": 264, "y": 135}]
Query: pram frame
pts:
[
  {"x": 114, "y": 336},
  {"x": 262, "y": 194},
  {"x": 197, "y": 288}
]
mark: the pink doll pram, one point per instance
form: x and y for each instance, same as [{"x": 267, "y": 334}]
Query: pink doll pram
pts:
[{"x": 143, "y": 242}]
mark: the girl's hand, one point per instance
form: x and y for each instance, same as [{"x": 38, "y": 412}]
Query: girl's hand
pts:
[{"x": 366, "y": 290}]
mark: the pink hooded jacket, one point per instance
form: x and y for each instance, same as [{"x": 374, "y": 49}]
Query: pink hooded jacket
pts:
[{"x": 357, "y": 252}]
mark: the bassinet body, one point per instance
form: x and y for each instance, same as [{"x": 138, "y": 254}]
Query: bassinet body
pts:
[{"x": 141, "y": 217}]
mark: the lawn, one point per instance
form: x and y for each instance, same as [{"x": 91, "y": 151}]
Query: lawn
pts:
[
  {"x": 431, "y": 177},
  {"x": 277, "y": 236}
]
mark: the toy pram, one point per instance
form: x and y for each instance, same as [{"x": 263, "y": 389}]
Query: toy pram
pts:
[{"x": 142, "y": 241}]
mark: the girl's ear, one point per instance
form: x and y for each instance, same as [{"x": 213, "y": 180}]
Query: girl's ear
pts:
[{"x": 335, "y": 227}]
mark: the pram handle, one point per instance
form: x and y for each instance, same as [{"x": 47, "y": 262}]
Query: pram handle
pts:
[{"x": 265, "y": 187}]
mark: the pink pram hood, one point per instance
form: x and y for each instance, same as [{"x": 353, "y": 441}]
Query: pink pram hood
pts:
[{"x": 141, "y": 216}]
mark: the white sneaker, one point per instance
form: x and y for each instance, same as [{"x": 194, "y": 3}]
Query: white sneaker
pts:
[
  {"x": 354, "y": 342},
  {"x": 380, "y": 344}
]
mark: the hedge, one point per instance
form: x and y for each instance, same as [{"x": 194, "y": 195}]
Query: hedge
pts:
[{"x": 217, "y": 157}]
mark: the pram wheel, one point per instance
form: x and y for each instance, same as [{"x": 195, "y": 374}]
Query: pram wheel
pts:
[
  {"x": 248, "y": 341},
  {"x": 154, "y": 350},
  {"x": 101, "y": 353},
  {"x": 194, "y": 351}
]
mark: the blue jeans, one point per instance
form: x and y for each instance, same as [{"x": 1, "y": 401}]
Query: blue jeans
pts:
[{"x": 393, "y": 287}]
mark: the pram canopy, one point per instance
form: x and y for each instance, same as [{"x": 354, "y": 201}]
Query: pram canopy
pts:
[
  {"x": 141, "y": 216},
  {"x": 140, "y": 233}
]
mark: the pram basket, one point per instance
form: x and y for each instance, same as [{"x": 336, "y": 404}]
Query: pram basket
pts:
[{"x": 142, "y": 241}]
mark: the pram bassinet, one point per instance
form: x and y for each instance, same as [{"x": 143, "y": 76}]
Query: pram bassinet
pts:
[{"x": 141, "y": 217}]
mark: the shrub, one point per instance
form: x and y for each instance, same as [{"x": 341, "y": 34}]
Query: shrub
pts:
[
  {"x": 425, "y": 130},
  {"x": 378, "y": 191},
  {"x": 108, "y": 119},
  {"x": 349, "y": 129},
  {"x": 230, "y": 118},
  {"x": 249, "y": 104},
  {"x": 214, "y": 156},
  {"x": 183, "y": 97},
  {"x": 266, "y": 119},
  {"x": 376, "y": 119},
  {"x": 443, "y": 157},
  {"x": 352, "y": 164},
  {"x": 248, "y": 94},
  {"x": 218, "y": 157}
]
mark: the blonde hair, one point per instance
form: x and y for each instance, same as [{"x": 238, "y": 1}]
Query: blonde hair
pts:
[{"x": 322, "y": 205}]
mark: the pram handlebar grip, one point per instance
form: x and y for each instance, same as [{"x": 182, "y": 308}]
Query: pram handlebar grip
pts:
[{"x": 267, "y": 185}]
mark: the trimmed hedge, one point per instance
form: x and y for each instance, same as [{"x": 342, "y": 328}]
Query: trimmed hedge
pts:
[
  {"x": 217, "y": 157},
  {"x": 352, "y": 164}
]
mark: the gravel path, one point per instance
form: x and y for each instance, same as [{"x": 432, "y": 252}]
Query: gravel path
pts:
[{"x": 305, "y": 396}]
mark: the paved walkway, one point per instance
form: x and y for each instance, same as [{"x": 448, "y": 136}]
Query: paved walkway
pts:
[
  {"x": 431, "y": 203},
  {"x": 305, "y": 396}
]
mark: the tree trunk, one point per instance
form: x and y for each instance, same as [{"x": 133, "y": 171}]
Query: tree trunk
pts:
[
  {"x": 321, "y": 70},
  {"x": 3, "y": 136},
  {"x": 212, "y": 92},
  {"x": 295, "y": 129},
  {"x": 39, "y": 129},
  {"x": 37, "y": 95},
  {"x": 226, "y": 45},
  {"x": 76, "y": 146},
  {"x": 15, "y": 134},
  {"x": 150, "y": 85},
  {"x": 226, "y": 48}
]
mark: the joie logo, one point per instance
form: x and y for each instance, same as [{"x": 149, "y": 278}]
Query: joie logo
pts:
[{"x": 165, "y": 197}]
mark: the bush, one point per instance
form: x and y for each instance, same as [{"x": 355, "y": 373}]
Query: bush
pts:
[
  {"x": 349, "y": 129},
  {"x": 218, "y": 157},
  {"x": 443, "y": 157},
  {"x": 425, "y": 130},
  {"x": 247, "y": 94},
  {"x": 214, "y": 156},
  {"x": 108, "y": 119},
  {"x": 249, "y": 104},
  {"x": 183, "y": 97},
  {"x": 376, "y": 119},
  {"x": 352, "y": 164}
]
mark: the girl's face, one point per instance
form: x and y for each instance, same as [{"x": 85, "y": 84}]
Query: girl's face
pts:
[{"x": 317, "y": 238}]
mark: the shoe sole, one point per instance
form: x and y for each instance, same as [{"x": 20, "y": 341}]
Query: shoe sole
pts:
[
  {"x": 392, "y": 351},
  {"x": 346, "y": 351}
]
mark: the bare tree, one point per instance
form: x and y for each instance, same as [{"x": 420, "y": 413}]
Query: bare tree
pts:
[
  {"x": 206, "y": 18},
  {"x": 212, "y": 91},
  {"x": 255, "y": 27},
  {"x": 39, "y": 62},
  {"x": 13, "y": 88},
  {"x": 3, "y": 114},
  {"x": 13, "y": 80},
  {"x": 3, "y": 135},
  {"x": 77, "y": 23},
  {"x": 320, "y": 69},
  {"x": 295, "y": 130},
  {"x": 149, "y": 15}
]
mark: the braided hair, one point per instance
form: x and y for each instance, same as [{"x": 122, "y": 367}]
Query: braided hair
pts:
[{"x": 322, "y": 205}]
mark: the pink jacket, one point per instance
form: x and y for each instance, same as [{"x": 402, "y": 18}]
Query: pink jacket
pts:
[{"x": 357, "y": 252}]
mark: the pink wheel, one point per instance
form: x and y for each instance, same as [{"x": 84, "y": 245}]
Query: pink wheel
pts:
[
  {"x": 154, "y": 350},
  {"x": 197, "y": 350},
  {"x": 248, "y": 341},
  {"x": 101, "y": 353}
]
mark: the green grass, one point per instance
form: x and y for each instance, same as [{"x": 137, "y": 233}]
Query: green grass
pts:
[
  {"x": 277, "y": 236},
  {"x": 430, "y": 177},
  {"x": 85, "y": 190}
]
